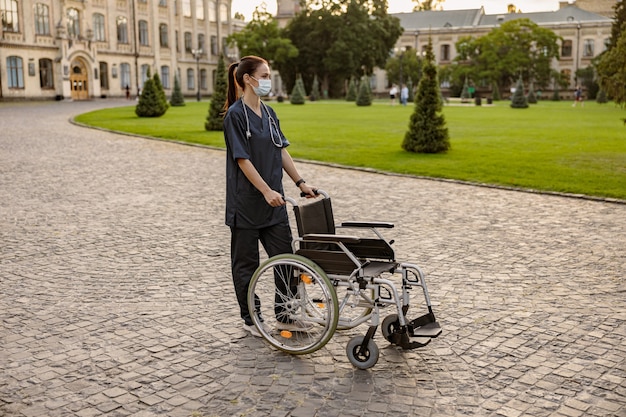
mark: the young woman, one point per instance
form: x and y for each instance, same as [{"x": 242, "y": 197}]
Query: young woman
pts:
[{"x": 256, "y": 156}]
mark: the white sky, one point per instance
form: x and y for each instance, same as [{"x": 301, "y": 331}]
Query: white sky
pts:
[{"x": 398, "y": 6}]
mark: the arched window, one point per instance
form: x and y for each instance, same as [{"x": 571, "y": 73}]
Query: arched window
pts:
[
  {"x": 199, "y": 9},
  {"x": 10, "y": 15},
  {"x": 73, "y": 23},
  {"x": 163, "y": 37},
  {"x": 203, "y": 79},
  {"x": 212, "y": 11},
  {"x": 143, "y": 33},
  {"x": 144, "y": 74},
  {"x": 122, "y": 29},
  {"x": 98, "y": 27},
  {"x": 188, "y": 41},
  {"x": 124, "y": 75},
  {"x": 588, "y": 48},
  {"x": 187, "y": 8},
  {"x": 201, "y": 42},
  {"x": 165, "y": 76},
  {"x": 15, "y": 72},
  {"x": 223, "y": 13},
  {"x": 42, "y": 19},
  {"x": 46, "y": 76}
]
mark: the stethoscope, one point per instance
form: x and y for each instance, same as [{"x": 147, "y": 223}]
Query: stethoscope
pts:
[{"x": 272, "y": 122}]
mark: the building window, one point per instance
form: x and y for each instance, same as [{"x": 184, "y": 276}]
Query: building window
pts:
[
  {"x": 165, "y": 76},
  {"x": 122, "y": 29},
  {"x": 163, "y": 3},
  {"x": 46, "y": 76},
  {"x": 223, "y": 13},
  {"x": 203, "y": 79},
  {"x": 445, "y": 52},
  {"x": 145, "y": 68},
  {"x": 42, "y": 19},
  {"x": 73, "y": 23},
  {"x": 163, "y": 39},
  {"x": 10, "y": 16},
  {"x": 191, "y": 82},
  {"x": 15, "y": 72},
  {"x": 199, "y": 10},
  {"x": 143, "y": 33},
  {"x": 98, "y": 27},
  {"x": 176, "y": 39},
  {"x": 124, "y": 75},
  {"x": 212, "y": 11},
  {"x": 201, "y": 42},
  {"x": 187, "y": 41},
  {"x": 588, "y": 48},
  {"x": 214, "y": 50},
  {"x": 187, "y": 8},
  {"x": 566, "y": 49},
  {"x": 104, "y": 76}
]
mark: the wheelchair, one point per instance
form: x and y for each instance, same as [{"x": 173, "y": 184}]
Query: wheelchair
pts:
[{"x": 335, "y": 282}]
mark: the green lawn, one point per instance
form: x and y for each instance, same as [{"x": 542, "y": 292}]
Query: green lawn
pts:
[{"x": 550, "y": 146}]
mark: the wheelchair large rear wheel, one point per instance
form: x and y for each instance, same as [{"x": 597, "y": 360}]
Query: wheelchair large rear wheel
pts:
[{"x": 292, "y": 291}]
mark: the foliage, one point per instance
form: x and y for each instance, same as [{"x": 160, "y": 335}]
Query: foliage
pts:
[
  {"x": 518, "y": 101},
  {"x": 214, "y": 120},
  {"x": 556, "y": 94},
  {"x": 338, "y": 39},
  {"x": 352, "y": 90},
  {"x": 465, "y": 94},
  {"x": 263, "y": 37},
  {"x": 427, "y": 127},
  {"x": 612, "y": 70},
  {"x": 151, "y": 102},
  {"x": 406, "y": 66},
  {"x": 364, "y": 98},
  {"x": 517, "y": 46},
  {"x": 586, "y": 78},
  {"x": 409, "y": 85},
  {"x": 298, "y": 93},
  {"x": 619, "y": 23},
  {"x": 427, "y": 5},
  {"x": 495, "y": 92},
  {"x": 160, "y": 89},
  {"x": 177, "y": 98},
  {"x": 601, "y": 97}
]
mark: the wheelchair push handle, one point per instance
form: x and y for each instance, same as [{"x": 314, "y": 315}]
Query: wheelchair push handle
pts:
[{"x": 293, "y": 202}]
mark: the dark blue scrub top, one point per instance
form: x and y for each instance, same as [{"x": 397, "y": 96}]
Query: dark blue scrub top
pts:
[{"x": 246, "y": 207}]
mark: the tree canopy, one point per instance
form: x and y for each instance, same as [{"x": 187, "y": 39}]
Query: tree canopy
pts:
[
  {"x": 337, "y": 39},
  {"x": 516, "y": 48}
]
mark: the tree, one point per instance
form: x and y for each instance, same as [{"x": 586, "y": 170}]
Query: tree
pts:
[
  {"x": 352, "y": 90},
  {"x": 531, "y": 98},
  {"x": 405, "y": 66},
  {"x": 263, "y": 37},
  {"x": 215, "y": 120},
  {"x": 159, "y": 88},
  {"x": 151, "y": 103},
  {"x": 612, "y": 71},
  {"x": 298, "y": 93},
  {"x": 519, "y": 99},
  {"x": 315, "y": 90},
  {"x": 427, "y": 128},
  {"x": 364, "y": 98},
  {"x": 517, "y": 46},
  {"x": 422, "y": 5},
  {"x": 465, "y": 94},
  {"x": 338, "y": 39},
  {"x": 619, "y": 23},
  {"x": 177, "y": 98}
]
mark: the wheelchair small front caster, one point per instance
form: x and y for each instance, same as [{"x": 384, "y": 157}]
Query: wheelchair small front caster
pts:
[
  {"x": 362, "y": 358},
  {"x": 390, "y": 325}
]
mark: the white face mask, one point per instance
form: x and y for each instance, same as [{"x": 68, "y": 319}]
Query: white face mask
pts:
[{"x": 264, "y": 88}]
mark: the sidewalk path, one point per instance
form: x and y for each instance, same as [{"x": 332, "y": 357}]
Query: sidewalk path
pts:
[{"x": 116, "y": 296}]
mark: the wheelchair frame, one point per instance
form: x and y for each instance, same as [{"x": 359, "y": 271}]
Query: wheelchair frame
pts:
[{"x": 337, "y": 281}]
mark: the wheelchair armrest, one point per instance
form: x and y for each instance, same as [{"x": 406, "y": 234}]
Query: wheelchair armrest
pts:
[
  {"x": 322, "y": 237},
  {"x": 382, "y": 225}
]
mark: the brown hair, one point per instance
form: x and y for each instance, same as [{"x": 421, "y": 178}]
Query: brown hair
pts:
[{"x": 236, "y": 71}]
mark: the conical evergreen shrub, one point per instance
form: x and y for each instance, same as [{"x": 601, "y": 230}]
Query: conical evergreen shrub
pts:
[
  {"x": 556, "y": 96},
  {"x": 177, "y": 98},
  {"x": 465, "y": 94},
  {"x": 601, "y": 97},
  {"x": 519, "y": 99},
  {"x": 160, "y": 89},
  {"x": 364, "y": 98},
  {"x": 215, "y": 119},
  {"x": 352, "y": 90},
  {"x": 495, "y": 91},
  {"x": 315, "y": 90},
  {"x": 151, "y": 103},
  {"x": 427, "y": 128},
  {"x": 298, "y": 93},
  {"x": 531, "y": 97}
]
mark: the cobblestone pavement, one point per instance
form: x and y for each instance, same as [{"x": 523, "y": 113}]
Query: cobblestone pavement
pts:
[{"x": 117, "y": 298}]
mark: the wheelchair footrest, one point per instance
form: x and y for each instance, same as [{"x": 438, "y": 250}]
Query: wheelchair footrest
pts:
[
  {"x": 430, "y": 330},
  {"x": 406, "y": 342}
]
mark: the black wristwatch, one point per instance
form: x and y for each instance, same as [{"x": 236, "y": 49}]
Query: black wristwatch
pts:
[{"x": 300, "y": 181}]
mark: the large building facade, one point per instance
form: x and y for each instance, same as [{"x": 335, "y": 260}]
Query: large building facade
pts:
[{"x": 79, "y": 49}]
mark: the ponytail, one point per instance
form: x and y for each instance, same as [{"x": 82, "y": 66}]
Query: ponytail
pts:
[{"x": 236, "y": 71}]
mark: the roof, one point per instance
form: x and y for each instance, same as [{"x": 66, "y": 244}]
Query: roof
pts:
[{"x": 477, "y": 17}]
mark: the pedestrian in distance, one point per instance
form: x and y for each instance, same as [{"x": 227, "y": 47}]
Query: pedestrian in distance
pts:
[
  {"x": 404, "y": 95},
  {"x": 127, "y": 92},
  {"x": 578, "y": 97},
  {"x": 256, "y": 156},
  {"x": 392, "y": 95}
]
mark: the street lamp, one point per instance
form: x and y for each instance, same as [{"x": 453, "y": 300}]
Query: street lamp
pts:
[{"x": 196, "y": 54}]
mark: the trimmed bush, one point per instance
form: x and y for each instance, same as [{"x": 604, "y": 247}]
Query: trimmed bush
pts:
[
  {"x": 364, "y": 98},
  {"x": 519, "y": 99},
  {"x": 298, "y": 93},
  {"x": 531, "y": 97},
  {"x": 352, "y": 90},
  {"x": 177, "y": 98},
  {"x": 215, "y": 119},
  {"x": 152, "y": 102}
]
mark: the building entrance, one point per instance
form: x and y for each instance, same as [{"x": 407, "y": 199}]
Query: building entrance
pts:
[{"x": 79, "y": 79}]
